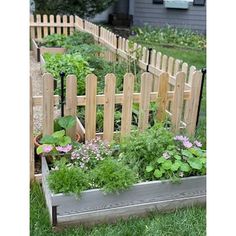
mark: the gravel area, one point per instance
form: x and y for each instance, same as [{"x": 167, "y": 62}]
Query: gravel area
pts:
[{"x": 37, "y": 88}]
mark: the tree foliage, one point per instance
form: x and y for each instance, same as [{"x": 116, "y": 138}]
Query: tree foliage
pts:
[{"x": 83, "y": 8}]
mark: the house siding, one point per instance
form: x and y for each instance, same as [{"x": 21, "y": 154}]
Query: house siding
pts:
[{"x": 145, "y": 12}]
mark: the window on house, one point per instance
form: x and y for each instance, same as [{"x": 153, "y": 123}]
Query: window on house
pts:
[
  {"x": 157, "y": 1},
  {"x": 199, "y": 2}
]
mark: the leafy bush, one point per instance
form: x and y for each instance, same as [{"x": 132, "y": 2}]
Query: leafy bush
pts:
[
  {"x": 54, "y": 40},
  {"x": 112, "y": 176},
  {"x": 78, "y": 38},
  {"x": 66, "y": 178},
  {"x": 169, "y": 35},
  {"x": 70, "y": 64},
  {"x": 83, "y": 8},
  {"x": 157, "y": 154}
]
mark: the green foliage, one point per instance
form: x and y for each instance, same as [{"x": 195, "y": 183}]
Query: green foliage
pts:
[
  {"x": 67, "y": 178},
  {"x": 54, "y": 40},
  {"x": 169, "y": 36},
  {"x": 66, "y": 122},
  {"x": 112, "y": 176},
  {"x": 78, "y": 38},
  {"x": 70, "y": 64},
  {"x": 83, "y": 8},
  {"x": 156, "y": 154}
]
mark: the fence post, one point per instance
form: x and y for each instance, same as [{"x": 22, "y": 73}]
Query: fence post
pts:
[
  {"x": 71, "y": 102},
  {"x": 146, "y": 88},
  {"x": 178, "y": 101},
  {"x": 31, "y": 136},
  {"x": 109, "y": 107},
  {"x": 48, "y": 104}
]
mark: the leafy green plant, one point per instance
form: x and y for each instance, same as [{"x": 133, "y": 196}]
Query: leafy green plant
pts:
[
  {"x": 157, "y": 154},
  {"x": 70, "y": 64},
  {"x": 78, "y": 38},
  {"x": 66, "y": 178},
  {"x": 112, "y": 176},
  {"x": 54, "y": 40},
  {"x": 58, "y": 141}
]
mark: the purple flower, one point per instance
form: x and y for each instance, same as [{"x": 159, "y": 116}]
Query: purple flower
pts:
[
  {"x": 65, "y": 149},
  {"x": 166, "y": 155},
  {"x": 197, "y": 143},
  {"x": 187, "y": 144},
  {"x": 47, "y": 148},
  {"x": 181, "y": 138}
]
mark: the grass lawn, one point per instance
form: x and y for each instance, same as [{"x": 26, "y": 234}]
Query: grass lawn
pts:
[{"x": 184, "y": 222}]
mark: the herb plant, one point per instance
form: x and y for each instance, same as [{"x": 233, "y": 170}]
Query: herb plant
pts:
[
  {"x": 66, "y": 178},
  {"x": 112, "y": 176},
  {"x": 54, "y": 40}
]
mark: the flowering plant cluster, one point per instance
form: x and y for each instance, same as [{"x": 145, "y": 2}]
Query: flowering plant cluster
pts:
[
  {"x": 88, "y": 155},
  {"x": 182, "y": 159}
]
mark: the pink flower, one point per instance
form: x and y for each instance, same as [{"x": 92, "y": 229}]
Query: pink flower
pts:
[
  {"x": 181, "y": 138},
  {"x": 197, "y": 143},
  {"x": 65, "y": 149},
  {"x": 187, "y": 144},
  {"x": 47, "y": 148}
]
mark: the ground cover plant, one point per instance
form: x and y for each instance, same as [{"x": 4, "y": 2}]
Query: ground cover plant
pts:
[{"x": 184, "y": 222}]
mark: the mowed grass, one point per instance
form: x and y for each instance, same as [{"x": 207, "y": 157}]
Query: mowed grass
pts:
[{"x": 183, "y": 222}]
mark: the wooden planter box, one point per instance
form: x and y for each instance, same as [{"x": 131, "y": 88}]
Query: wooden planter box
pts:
[
  {"x": 95, "y": 207},
  {"x": 38, "y": 51}
]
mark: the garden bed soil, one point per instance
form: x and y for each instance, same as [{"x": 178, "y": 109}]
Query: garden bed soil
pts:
[
  {"x": 93, "y": 206},
  {"x": 40, "y": 50}
]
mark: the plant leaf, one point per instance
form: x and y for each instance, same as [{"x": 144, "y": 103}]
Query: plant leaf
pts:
[
  {"x": 59, "y": 134},
  {"x": 39, "y": 149},
  {"x": 48, "y": 139},
  {"x": 175, "y": 166},
  {"x": 149, "y": 168},
  {"x": 64, "y": 141},
  {"x": 161, "y": 160},
  {"x": 185, "y": 167},
  {"x": 66, "y": 122},
  {"x": 187, "y": 153},
  {"x": 157, "y": 173},
  {"x": 167, "y": 165},
  {"x": 195, "y": 163}
]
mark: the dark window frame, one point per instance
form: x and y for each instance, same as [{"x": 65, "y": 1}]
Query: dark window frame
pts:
[
  {"x": 199, "y": 2},
  {"x": 157, "y": 1}
]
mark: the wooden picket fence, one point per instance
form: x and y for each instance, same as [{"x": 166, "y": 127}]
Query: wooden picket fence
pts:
[{"x": 90, "y": 100}]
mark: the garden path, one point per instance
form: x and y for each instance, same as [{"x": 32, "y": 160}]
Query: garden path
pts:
[{"x": 37, "y": 88}]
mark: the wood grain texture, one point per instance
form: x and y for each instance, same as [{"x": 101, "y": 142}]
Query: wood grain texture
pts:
[
  {"x": 164, "y": 63},
  {"x": 127, "y": 106},
  {"x": 178, "y": 101},
  {"x": 146, "y": 88},
  {"x": 162, "y": 96},
  {"x": 58, "y": 21},
  {"x": 71, "y": 20},
  {"x": 51, "y": 20},
  {"x": 192, "y": 109},
  {"x": 109, "y": 107},
  {"x": 45, "y": 28},
  {"x": 48, "y": 103},
  {"x": 170, "y": 65},
  {"x": 39, "y": 28},
  {"x": 32, "y": 28},
  {"x": 90, "y": 107},
  {"x": 71, "y": 102},
  {"x": 65, "y": 29}
]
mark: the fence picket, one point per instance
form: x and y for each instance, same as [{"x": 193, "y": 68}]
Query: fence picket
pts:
[
  {"x": 72, "y": 21},
  {"x": 48, "y": 103},
  {"x": 51, "y": 20},
  {"x": 164, "y": 63},
  {"x": 178, "y": 100},
  {"x": 90, "y": 108},
  {"x": 45, "y": 28},
  {"x": 146, "y": 88},
  {"x": 32, "y": 28},
  {"x": 177, "y": 66},
  {"x": 192, "y": 109},
  {"x": 127, "y": 104},
  {"x": 109, "y": 107},
  {"x": 39, "y": 28},
  {"x": 185, "y": 70},
  {"x": 58, "y": 20},
  {"x": 162, "y": 96},
  {"x": 71, "y": 102},
  {"x": 65, "y": 28},
  {"x": 170, "y": 65}
]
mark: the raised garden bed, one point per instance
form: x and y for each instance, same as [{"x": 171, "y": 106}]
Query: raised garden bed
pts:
[
  {"x": 40, "y": 50},
  {"x": 95, "y": 207}
]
